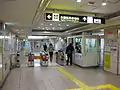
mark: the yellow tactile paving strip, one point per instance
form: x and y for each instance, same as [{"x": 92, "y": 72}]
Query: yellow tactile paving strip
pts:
[{"x": 84, "y": 86}]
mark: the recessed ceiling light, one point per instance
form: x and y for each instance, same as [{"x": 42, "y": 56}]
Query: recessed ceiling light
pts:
[
  {"x": 50, "y": 24},
  {"x": 17, "y": 29},
  {"x": 41, "y": 23},
  {"x": 60, "y": 28},
  {"x": 104, "y": 4},
  {"x": 59, "y": 25},
  {"x": 67, "y": 25},
  {"x": 102, "y": 30},
  {"x": 78, "y": 1},
  {"x": 43, "y": 28},
  {"x": 53, "y": 28}
]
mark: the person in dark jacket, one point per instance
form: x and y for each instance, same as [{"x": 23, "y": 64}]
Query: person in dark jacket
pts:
[
  {"x": 51, "y": 50},
  {"x": 69, "y": 51},
  {"x": 45, "y": 47}
]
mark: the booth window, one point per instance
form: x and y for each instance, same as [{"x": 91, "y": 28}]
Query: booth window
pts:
[{"x": 78, "y": 45}]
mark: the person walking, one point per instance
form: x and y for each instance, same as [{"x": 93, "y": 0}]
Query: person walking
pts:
[
  {"x": 45, "y": 47},
  {"x": 51, "y": 49},
  {"x": 69, "y": 51}
]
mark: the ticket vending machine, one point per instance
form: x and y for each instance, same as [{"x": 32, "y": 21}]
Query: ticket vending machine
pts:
[{"x": 86, "y": 52}]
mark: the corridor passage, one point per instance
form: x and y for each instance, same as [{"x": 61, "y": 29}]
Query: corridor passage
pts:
[
  {"x": 37, "y": 79},
  {"x": 50, "y": 78}
]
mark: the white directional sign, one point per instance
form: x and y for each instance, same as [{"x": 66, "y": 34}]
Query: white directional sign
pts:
[
  {"x": 56, "y": 17},
  {"x": 49, "y": 17},
  {"x": 97, "y": 21},
  {"x": 84, "y": 18},
  {"x": 74, "y": 18},
  {"x": 89, "y": 19}
]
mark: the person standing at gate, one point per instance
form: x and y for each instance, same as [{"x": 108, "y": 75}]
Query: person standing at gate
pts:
[
  {"x": 69, "y": 51},
  {"x": 51, "y": 49}
]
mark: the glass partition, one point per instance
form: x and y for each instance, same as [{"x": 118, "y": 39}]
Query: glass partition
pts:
[
  {"x": 91, "y": 44},
  {"x": 1, "y": 53},
  {"x": 78, "y": 45}
]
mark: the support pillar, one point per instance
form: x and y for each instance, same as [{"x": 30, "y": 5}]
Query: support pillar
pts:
[{"x": 111, "y": 51}]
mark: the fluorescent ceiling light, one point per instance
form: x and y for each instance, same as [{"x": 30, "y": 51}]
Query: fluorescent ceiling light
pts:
[
  {"x": 102, "y": 30},
  {"x": 43, "y": 28},
  {"x": 104, "y": 4},
  {"x": 10, "y": 23},
  {"x": 67, "y": 25},
  {"x": 7, "y": 37},
  {"x": 41, "y": 23},
  {"x": 53, "y": 28},
  {"x": 17, "y": 29},
  {"x": 37, "y": 37},
  {"x": 78, "y": 1},
  {"x": 1, "y": 65},
  {"x": 59, "y": 25},
  {"x": 50, "y": 24},
  {"x": 46, "y": 32}
]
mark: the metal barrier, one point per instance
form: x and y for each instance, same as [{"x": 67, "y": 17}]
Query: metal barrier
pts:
[{"x": 12, "y": 61}]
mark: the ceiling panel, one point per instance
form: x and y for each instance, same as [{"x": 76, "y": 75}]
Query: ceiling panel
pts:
[
  {"x": 51, "y": 25},
  {"x": 112, "y": 6},
  {"x": 109, "y": 9},
  {"x": 20, "y": 11}
]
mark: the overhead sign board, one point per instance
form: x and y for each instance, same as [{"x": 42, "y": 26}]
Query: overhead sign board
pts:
[
  {"x": 74, "y": 18},
  {"x": 64, "y": 17},
  {"x": 55, "y": 17},
  {"x": 49, "y": 16}
]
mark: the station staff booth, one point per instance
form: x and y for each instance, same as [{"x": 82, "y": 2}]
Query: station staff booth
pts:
[{"x": 86, "y": 53}]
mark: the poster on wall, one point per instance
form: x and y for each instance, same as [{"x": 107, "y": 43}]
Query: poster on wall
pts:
[
  {"x": 110, "y": 35},
  {"x": 107, "y": 61}
]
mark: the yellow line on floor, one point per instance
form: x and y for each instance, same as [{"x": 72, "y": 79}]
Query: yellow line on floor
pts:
[
  {"x": 72, "y": 78},
  {"x": 108, "y": 86},
  {"x": 82, "y": 85},
  {"x": 77, "y": 89}
]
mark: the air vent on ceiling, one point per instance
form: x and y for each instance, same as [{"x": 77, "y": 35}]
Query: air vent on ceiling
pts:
[{"x": 91, "y": 3}]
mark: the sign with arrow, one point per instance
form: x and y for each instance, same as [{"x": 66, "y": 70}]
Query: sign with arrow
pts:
[
  {"x": 48, "y": 16},
  {"x": 74, "y": 18}
]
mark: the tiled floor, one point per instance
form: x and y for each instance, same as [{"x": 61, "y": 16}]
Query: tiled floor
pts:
[
  {"x": 94, "y": 76},
  {"x": 40, "y": 78},
  {"x": 37, "y": 79}
]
